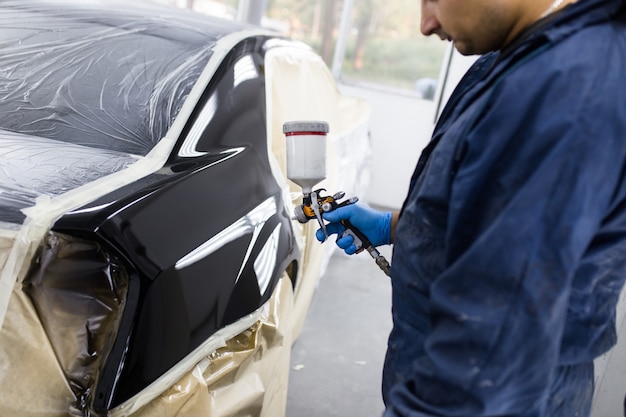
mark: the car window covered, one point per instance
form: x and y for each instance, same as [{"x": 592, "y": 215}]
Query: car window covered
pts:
[
  {"x": 115, "y": 81},
  {"x": 31, "y": 167}
]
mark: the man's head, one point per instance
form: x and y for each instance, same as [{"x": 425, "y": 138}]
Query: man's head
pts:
[{"x": 481, "y": 26}]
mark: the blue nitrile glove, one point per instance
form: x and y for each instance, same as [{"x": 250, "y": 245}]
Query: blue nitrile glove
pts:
[{"x": 374, "y": 224}]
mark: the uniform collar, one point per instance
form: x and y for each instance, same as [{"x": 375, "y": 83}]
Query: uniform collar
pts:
[
  {"x": 490, "y": 67},
  {"x": 564, "y": 22}
]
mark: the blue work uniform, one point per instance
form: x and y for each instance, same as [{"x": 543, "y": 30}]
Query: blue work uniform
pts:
[{"x": 510, "y": 251}]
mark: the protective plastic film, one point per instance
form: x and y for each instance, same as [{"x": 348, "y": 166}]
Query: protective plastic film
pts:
[
  {"x": 119, "y": 77},
  {"x": 31, "y": 167}
]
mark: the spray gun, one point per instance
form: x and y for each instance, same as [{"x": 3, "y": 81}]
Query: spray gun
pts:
[{"x": 306, "y": 166}]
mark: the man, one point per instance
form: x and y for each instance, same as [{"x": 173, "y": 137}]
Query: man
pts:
[{"x": 510, "y": 249}]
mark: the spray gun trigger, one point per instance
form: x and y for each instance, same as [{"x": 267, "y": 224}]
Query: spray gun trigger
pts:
[{"x": 318, "y": 215}]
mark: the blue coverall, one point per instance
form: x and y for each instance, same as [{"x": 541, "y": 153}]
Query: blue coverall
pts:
[{"x": 510, "y": 251}]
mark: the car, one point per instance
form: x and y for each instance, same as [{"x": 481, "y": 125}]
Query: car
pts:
[{"x": 151, "y": 263}]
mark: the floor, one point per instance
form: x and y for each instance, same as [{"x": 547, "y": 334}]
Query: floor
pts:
[{"x": 337, "y": 361}]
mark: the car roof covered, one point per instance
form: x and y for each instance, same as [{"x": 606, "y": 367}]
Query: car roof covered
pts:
[{"x": 102, "y": 74}]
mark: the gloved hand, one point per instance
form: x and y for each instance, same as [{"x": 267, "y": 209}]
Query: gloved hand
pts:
[{"x": 374, "y": 224}]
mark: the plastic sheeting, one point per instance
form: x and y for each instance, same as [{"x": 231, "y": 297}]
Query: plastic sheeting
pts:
[
  {"x": 120, "y": 77},
  {"x": 31, "y": 167}
]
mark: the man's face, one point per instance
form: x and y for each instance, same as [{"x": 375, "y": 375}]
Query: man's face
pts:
[{"x": 479, "y": 26}]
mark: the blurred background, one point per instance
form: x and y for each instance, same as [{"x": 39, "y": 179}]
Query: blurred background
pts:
[{"x": 368, "y": 41}]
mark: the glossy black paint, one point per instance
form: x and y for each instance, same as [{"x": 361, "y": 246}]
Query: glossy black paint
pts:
[{"x": 154, "y": 223}]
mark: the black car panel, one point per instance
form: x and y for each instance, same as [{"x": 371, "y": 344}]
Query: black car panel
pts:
[{"x": 182, "y": 303}]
